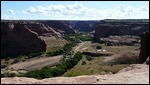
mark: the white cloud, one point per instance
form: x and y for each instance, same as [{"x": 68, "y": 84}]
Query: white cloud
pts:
[
  {"x": 10, "y": 11},
  {"x": 7, "y": 17},
  {"x": 31, "y": 10},
  {"x": 24, "y": 12},
  {"x": 144, "y": 8},
  {"x": 79, "y": 11},
  {"x": 120, "y": 8}
]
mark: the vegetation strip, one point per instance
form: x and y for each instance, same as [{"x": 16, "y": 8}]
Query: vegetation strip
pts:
[{"x": 47, "y": 72}]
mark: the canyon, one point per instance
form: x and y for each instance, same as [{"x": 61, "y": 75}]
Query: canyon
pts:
[{"x": 23, "y": 37}]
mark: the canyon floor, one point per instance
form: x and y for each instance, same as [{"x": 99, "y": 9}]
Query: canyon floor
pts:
[{"x": 133, "y": 74}]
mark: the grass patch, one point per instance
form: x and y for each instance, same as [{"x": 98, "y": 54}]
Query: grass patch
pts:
[
  {"x": 97, "y": 64},
  {"x": 93, "y": 67},
  {"x": 113, "y": 49},
  {"x": 4, "y": 64},
  {"x": 53, "y": 43},
  {"x": 113, "y": 69},
  {"x": 76, "y": 73}
]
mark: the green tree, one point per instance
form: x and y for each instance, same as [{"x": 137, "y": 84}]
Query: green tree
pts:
[
  {"x": 46, "y": 72},
  {"x": 33, "y": 74}
]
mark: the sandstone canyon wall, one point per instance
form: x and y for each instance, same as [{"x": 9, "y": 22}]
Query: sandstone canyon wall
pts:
[{"x": 18, "y": 39}]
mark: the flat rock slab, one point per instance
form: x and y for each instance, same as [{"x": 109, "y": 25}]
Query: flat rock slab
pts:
[{"x": 134, "y": 74}]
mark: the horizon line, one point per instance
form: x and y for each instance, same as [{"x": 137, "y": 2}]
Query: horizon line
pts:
[{"x": 71, "y": 20}]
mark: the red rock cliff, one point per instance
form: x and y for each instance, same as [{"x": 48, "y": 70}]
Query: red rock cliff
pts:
[{"x": 18, "y": 39}]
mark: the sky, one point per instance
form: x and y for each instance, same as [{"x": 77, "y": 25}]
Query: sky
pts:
[{"x": 74, "y": 10}]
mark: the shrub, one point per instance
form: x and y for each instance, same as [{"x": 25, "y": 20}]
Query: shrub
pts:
[
  {"x": 7, "y": 74},
  {"x": 57, "y": 71},
  {"x": 89, "y": 58},
  {"x": 46, "y": 72},
  {"x": 17, "y": 59},
  {"x": 98, "y": 47},
  {"x": 36, "y": 54},
  {"x": 12, "y": 74},
  {"x": 94, "y": 40},
  {"x": 83, "y": 63},
  {"x": 3, "y": 66},
  {"x": 57, "y": 52},
  {"x": 65, "y": 50},
  {"x": 33, "y": 74}
]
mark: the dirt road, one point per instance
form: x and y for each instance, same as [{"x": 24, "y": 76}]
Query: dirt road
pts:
[
  {"x": 78, "y": 47},
  {"x": 37, "y": 63}
]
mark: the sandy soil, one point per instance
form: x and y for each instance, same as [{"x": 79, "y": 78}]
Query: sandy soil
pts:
[{"x": 35, "y": 63}]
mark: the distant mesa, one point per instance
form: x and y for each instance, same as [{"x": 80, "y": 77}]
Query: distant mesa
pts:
[
  {"x": 121, "y": 27},
  {"x": 85, "y": 26}
]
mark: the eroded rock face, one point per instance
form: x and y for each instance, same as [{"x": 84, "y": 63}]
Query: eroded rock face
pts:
[
  {"x": 144, "y": 49},
  {"x": 60, "y": 26},
  {"x": 19, "y": 39},
  {"x": 121, "y": 27}
]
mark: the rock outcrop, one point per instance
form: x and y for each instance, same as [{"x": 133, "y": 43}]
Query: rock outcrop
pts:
[
  {"x": 59, "y": 26},
  {"x": 98, "y": 53},
  {"x": 144, "y": 49},
  {"x": 134, "y": 74},
  {"x": 41, "y": 28},
  {"x": 121, "y": 27},
  {"x": 19, "y": 39}
]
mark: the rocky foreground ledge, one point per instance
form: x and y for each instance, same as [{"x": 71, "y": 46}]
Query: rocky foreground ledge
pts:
[{"x": 134, "y": 74}]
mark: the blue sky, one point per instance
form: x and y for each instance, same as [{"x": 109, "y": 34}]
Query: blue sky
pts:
[{"x": 74, "y": 10}]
